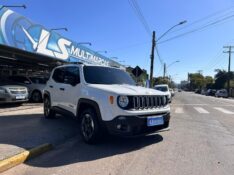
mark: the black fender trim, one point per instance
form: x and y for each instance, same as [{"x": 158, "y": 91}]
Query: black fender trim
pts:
[
  {"x": 91, "y": 103},
  {"x": 46, "y": 93}
]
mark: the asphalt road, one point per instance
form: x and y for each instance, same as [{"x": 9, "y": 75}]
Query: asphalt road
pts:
[{"x": 200, "y": 142}]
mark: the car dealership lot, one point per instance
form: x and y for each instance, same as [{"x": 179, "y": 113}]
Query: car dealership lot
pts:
[{"x": 201, "y": 141}]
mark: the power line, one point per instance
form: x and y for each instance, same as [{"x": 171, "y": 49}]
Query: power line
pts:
[
  {"x": 139, "y": 14},
  {"x": 159, "y": 57},
  {"x": 215, "y": 60},
  {"x": 198, "y": 29},
  {"x": 206, "y": 17}
]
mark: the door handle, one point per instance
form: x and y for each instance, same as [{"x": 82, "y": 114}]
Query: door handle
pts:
[
  {"x": 51, "y": 86},
  {"x": 62, "y": 89}
]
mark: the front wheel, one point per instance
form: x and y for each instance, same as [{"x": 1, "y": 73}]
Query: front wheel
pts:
[
  {"x": 48, "y": 112},
  {"x": 89, "y": 126}
]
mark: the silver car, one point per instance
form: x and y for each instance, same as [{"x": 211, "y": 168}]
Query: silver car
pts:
[
  {"x": 35, "y": 85},
  {"x": 222, "y": 93},
  {"x": 12, "y": 93}
]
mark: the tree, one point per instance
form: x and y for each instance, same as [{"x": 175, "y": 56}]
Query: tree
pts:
[
  {"x": 209, "y": 82},
  {"x": 221, "y": 78},
  {"x": 197, "y": 81}
]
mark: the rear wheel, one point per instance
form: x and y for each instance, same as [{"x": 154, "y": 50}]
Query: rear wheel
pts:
[
  {"x": 48, "y": 112},
  {"x": 89, "y": 126}
]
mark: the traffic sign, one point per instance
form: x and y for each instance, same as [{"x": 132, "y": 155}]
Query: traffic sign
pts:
[{"x": 137, "y": 71}]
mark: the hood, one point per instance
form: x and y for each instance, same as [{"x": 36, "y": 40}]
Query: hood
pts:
[
  {"x": 12, "y": 86},
  {"x": 127, "y": 89}
]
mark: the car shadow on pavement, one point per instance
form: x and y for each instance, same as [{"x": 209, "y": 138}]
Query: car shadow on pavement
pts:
[
  {"x": 30, "y": 130},
  {"x": 76, "y": 151}
]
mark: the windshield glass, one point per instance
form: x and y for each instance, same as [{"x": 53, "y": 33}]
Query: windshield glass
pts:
[
  {"x": 106, "y": 75},
  {"x": 38, "y": 80},
  {"x": 161, "y": 88}
]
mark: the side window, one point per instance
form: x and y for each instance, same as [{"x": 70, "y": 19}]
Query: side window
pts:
[
  {"x": 72, "y": 75},
  {"x": 58, "y": 75}
]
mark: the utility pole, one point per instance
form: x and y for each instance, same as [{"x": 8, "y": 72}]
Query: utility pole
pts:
[
  {"x": 229, "y": 65},
  {"x": 152, "y": 59},
  {"x": 164, "y": 70}
]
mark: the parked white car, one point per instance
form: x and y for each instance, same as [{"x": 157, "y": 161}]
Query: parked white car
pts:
[
  {"x": 105, "y": 99},
  {"x": 222, "y": 93},
  {"x": 35, "y": 85},
  {"x": 172, "y": 92},
  {"x": 164, "y": 88}
]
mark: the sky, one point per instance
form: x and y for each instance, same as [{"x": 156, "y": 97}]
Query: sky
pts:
[{"x": 113, "y": 25}]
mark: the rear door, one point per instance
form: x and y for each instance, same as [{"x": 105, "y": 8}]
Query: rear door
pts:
[
  {"x": 56, "y": 87},
  {"x": 72, "y": 88}
]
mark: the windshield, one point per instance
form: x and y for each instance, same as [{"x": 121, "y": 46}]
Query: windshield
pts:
[
  {"x": 106, "y": 75},
  {"x": 38, "y": 80},
  {"x": 161, "y": 88}
]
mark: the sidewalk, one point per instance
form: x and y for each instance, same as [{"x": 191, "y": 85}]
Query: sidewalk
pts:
[{"x": 27, "y": 128}]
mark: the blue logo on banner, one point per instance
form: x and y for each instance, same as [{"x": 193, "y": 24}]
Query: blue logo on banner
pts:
[{"x": 17, "y": 31}]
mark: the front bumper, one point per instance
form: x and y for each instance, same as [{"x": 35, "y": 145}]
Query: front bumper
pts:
[
  {"x": 9, "y": 98},
  {"x": 130, "y": 126}
]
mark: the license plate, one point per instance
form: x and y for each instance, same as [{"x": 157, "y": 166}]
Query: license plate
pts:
[
  {"x": 20, "y": 97},
  {"x": 155, "y": 121}
]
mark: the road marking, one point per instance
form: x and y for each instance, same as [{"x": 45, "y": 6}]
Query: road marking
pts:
[
  {"x": 224, "y": 110},
  {"x": 189, "y": 104},
  {"x": 201, "y": 110},
  {"x": 179, "y": 110}
]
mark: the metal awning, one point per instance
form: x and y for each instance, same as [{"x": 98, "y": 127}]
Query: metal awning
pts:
[{"x": 17, "y": 58}]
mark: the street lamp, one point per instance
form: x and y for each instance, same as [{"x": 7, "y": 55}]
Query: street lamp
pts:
[
  {"x": 180, "y": 23},
  {"x": 154, "y": 44},
  {"x": 121, "y": 61},
  {"x": 13, "y": 6},
  {"x": 101, "y": 51},
  {"x": 166, "y": 67},
  {"x": 115, "y": 58},
  {"x": 82, "y": 43},
  {"x": 62, "y": 28}
]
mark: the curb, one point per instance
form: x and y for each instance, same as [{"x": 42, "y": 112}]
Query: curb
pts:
[{"x": 24, "y": 156}]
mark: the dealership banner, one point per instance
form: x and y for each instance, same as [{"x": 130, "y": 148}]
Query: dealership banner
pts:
[{"x": 18, "y": 31}]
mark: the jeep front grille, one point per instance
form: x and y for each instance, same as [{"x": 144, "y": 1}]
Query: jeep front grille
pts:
[{"x": 148, "y": 102}]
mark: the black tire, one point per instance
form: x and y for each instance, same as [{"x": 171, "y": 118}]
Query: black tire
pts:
[
  {"x": 89, "y": 126},
  {"x": 48, "y": 112},
  {"x": 36, "y": 96}
]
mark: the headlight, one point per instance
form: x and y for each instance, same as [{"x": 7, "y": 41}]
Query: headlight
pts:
[
  {"x": 123, "y": 101},
  {"x": 3, "y": 90}
]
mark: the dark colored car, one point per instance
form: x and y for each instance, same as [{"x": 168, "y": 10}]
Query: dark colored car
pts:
[
  {"x": 210, "y": 92},
  {"x": 197, "y": 91}
]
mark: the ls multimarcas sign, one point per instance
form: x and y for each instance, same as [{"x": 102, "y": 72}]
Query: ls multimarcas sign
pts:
[{"x": 17, "y": 31}]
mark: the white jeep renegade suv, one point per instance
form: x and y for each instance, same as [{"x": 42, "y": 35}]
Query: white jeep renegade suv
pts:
[{"x": 105, "y": 99}]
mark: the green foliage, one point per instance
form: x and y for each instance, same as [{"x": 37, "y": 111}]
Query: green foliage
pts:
[
  {"x": 198, "y": 81},
  {"x": 141, "y": 79},
  {"x": 161, "y": 80}
]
